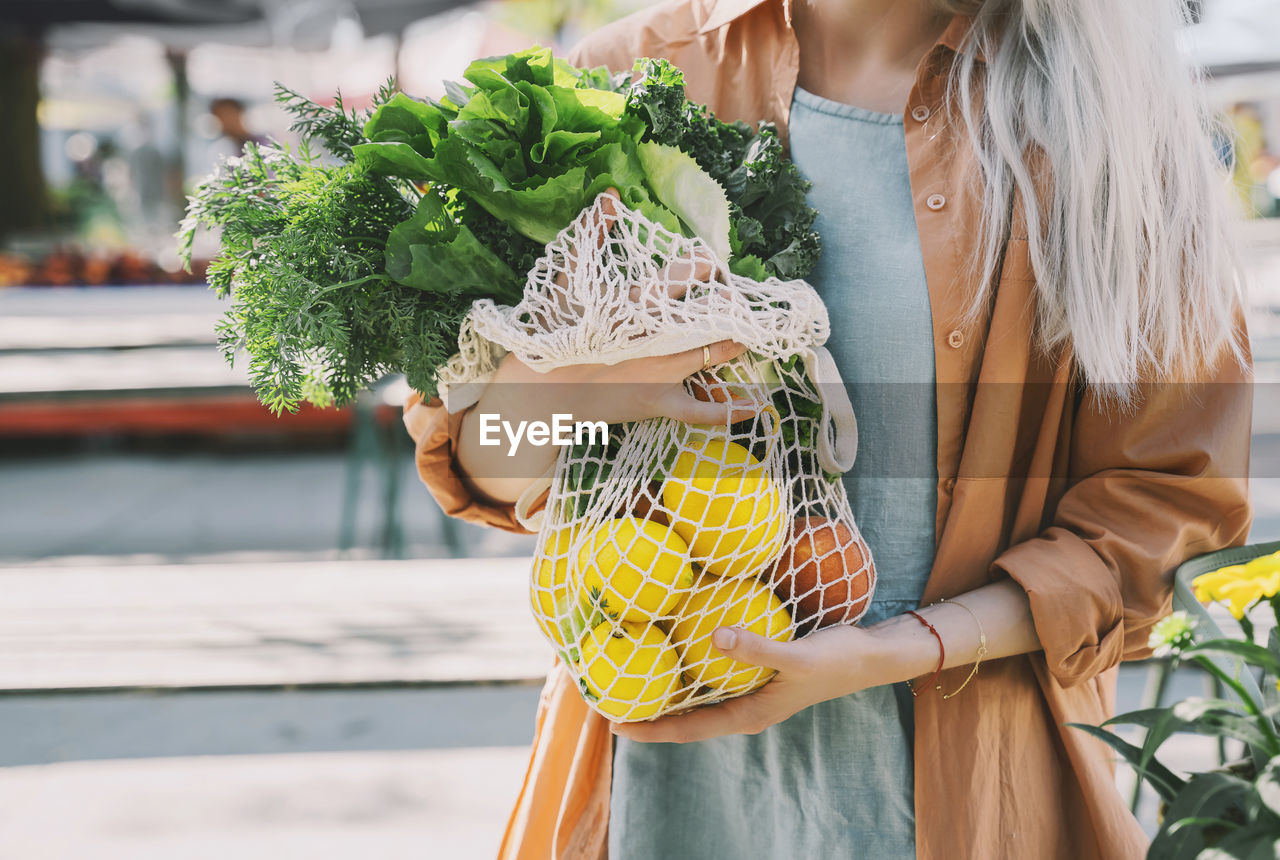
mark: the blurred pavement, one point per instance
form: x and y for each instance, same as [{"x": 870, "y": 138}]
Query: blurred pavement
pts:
[
  {"x": 445, "y": 804},
  {"x": 264, "y": 710}
]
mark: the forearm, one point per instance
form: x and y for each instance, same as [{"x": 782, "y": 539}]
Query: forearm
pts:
[
  {"x": 841, "y": 660},
  {"x": 495, "y": 471},
  {"x": 909, "y": 650}
]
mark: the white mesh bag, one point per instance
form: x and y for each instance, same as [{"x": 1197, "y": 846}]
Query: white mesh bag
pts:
[{"x": 652, "y": 538}]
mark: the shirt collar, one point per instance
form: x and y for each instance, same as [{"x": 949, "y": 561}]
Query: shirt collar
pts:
[{"x": 726, "y": 11}]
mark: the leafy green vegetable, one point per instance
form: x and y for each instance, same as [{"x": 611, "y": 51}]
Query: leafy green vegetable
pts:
[
  {"x": 529, "y": 138},
  {"x": 689, "y": 192},
  {"x": 533, "y": 140},
  {"x": 770, "y": 216},
  {"x": 432, "y": 252},
  {"x": 749, "y": 266},
  {"x": 306, "y": 261},
  {"x": 344, "y": 268}
]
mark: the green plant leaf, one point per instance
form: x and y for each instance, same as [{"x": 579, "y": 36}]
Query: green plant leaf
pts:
[
  {"x": 1207, "y": 821},
  {"x": 1255, "y": 655},
  {"x": 1256, "y": 841},
  {"x": 407, "y": 120},
  {"x": 1202, "y": 716},
  {"x": 1208, "y": 796},
  {"x": 1160, "y": 724},
  {"x": 1165, "y": 782},
  {"x": 1268, "y": 786},
  {"x": 395, "y": 158},
  {"x": 684, "y": 188},
  {"x": 749, "y": 266},
  {"x": 1208, "y": 717},
  {"x": 431, "y": 252},
  {"x": 1146, "y": 718}
]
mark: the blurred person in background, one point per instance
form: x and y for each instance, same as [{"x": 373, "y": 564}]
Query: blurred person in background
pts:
[
  {"x": 1025, "y": 230},
  {"x": 230, "y": 115},
  {"x": 1253, "y": 164}
]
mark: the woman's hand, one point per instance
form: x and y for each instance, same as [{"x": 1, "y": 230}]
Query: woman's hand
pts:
[
  {"x": 632, "y": 390},
  {"x": 841, "y": 660},
  {"x": 628, "y": 391},
  {"x": 824, "y": 665}
]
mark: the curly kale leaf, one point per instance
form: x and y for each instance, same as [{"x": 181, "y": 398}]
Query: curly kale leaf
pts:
[
  {"x": 770, "y": 219},
  {"x": 513, "y": 248},
  {"x": 777, "y": 220},
  {"x": 656, "y": 95}
]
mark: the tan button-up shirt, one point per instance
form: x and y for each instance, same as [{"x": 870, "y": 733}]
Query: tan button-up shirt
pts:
[{"x": 1086, "y": 507}]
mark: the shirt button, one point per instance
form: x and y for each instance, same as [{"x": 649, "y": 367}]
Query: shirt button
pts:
[
  {"x": 956, "y": 339},
  {"x": 935, "y": 202},
  {"x": 919, "y": 113}
]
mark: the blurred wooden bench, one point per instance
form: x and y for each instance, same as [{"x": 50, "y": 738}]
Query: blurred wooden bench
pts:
[
  {"x": 281, "y": 625},
  {"x": 111, "y": 662}
]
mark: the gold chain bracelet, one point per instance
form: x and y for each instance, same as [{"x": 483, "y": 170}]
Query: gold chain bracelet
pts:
[{"x": 982, "y": 647}]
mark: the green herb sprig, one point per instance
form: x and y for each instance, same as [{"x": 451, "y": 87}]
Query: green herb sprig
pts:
[{"x": 303, "y": 260}]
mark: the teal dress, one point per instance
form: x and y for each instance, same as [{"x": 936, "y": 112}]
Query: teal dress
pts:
[{"x": 835, "y": 780}]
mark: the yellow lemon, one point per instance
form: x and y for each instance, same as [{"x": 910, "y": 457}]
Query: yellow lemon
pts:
[
  {"x": 549, "y": 590},
  {"x": 744, "y": 602},
  {"x": 629, "y": 671},
  {"x": 725, "y": 506},
  {"x": 635, "y": 570}
]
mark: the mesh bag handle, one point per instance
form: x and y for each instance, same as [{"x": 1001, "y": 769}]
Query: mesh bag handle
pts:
[{"x": 838, "y": 436}]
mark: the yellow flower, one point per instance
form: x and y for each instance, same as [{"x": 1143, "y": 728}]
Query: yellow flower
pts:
[
  {"x": 1240, "y": 585},
  {"x": 1263, "y": 565},
  {"x": 1270, "y": 584},
  {"x": 1208, "y": 586},
  {"x": 1240, "y": 595}
]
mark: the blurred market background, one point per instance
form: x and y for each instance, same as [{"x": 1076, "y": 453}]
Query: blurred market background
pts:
[{"x": 223, "y": 632}]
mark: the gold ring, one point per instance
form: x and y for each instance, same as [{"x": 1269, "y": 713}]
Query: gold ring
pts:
[{"x": 706, "y": 357}]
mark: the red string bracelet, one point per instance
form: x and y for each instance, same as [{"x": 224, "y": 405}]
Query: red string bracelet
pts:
[{"x": 942, "y": 653}]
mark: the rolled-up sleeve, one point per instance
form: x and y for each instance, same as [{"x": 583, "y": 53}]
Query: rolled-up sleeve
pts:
[
  {"x": 1149, "y": 487},
  {"x": 435, "y": 434}
]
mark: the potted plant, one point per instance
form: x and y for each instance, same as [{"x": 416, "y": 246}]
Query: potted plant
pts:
[{"x": 1234, "y": 811}]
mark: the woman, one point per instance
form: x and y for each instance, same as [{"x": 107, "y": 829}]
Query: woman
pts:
[{"x": 1032, "y": 302}]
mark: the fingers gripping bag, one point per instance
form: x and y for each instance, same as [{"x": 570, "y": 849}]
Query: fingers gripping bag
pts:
[{"x": 655, "y": 533}]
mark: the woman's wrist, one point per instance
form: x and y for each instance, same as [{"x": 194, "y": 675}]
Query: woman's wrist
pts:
[
  {"x": 993, "y": 621},
  {"x": 903, "y": 649}
]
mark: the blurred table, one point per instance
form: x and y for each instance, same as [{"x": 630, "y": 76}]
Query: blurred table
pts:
[{"x": 126, "y": 360}]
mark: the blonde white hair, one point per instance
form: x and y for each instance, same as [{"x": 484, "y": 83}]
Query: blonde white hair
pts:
[{"x": 1089, "y": 112}]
